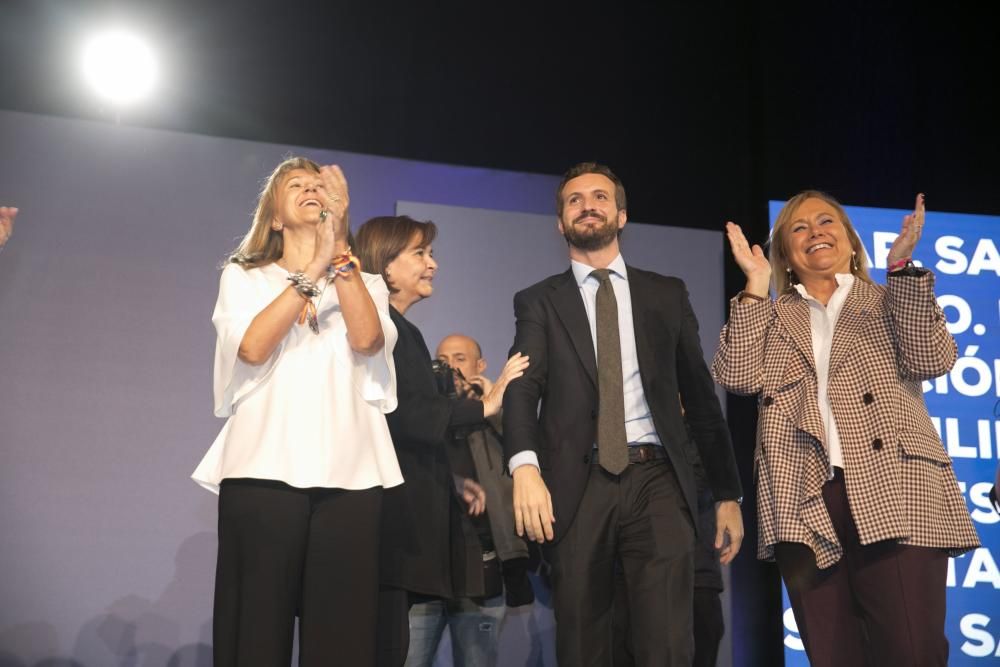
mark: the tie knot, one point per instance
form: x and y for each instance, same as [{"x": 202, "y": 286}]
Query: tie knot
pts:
[{"x": 603, "y": 275}]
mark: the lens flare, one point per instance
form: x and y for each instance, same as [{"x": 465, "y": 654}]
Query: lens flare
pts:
[{"x": 120, "y": 66}]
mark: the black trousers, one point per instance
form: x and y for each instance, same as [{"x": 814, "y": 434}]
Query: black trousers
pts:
[
  {"x": 285, "y": 552},
  {"x": 393, "y": 633},
  {"x": 881, "y": 604},
  {"x": 709, "y": 628},
  {"x": 709, "y": 624},
  {"x": 640, "y": 518}
]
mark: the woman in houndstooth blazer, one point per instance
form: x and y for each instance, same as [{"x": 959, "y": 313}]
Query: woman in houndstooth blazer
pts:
[{"x": 856, "y": 497}]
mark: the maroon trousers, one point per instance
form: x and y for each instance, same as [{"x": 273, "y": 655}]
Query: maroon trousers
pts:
[{"x": 881, "y": 604}]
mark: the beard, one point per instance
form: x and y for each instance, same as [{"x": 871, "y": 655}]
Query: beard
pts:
[{"x": 592, "y": 237}]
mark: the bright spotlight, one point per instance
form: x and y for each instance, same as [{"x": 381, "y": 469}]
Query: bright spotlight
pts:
[{"x": 120, "y": 66}]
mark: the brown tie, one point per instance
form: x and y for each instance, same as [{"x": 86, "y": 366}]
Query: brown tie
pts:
[{"x": 612, "y": 447}]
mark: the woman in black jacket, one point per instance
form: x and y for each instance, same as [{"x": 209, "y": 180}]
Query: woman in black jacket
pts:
[{"x": 424, "y": 551}]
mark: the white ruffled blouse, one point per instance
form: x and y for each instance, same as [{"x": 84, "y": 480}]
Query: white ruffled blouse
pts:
[{"x": 313, "y": 414}]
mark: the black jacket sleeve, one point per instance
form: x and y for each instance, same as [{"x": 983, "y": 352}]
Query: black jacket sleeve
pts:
[{"x": 423, "y": 416}]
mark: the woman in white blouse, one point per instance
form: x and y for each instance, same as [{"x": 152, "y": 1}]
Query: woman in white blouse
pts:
[{"x": 304, "y": 373}]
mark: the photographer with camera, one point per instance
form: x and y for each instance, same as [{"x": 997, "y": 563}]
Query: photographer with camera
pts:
[
  {"x": 475, "y": 620},
  {"x": 427, "y": 551}
]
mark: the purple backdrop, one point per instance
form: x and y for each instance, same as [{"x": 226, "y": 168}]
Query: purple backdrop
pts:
[{"x": 106, "y": 293}]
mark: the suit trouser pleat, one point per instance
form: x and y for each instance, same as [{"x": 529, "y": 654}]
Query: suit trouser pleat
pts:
[{"x": 639, "y": 517}]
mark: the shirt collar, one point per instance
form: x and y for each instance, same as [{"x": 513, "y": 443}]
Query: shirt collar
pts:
[
  {"x": 844, "y": 283},
  {"x": 581, "y": 271}
]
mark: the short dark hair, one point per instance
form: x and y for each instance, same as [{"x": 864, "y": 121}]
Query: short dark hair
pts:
[
  {"x": 591, "y": 168},
  {"x": 380, "y": 240}
]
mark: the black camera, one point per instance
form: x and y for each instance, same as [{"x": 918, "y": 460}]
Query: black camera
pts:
[{"x": 444, "y": 377}]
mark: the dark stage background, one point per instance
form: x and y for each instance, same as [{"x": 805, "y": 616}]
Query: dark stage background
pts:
[{"x": 706, "y": 110}]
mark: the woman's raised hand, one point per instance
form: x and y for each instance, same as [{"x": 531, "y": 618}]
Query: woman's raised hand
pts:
[
  {"x": 513, "y": 369},
  {"x": 750, "y": 259},
  {"x": 913, "y": 226},
  {"x": 331, "y": 233}
]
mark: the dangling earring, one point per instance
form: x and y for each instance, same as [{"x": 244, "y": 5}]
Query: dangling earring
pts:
[
  {"x": 854, "y": 262},
  {"x": 791, "y": 276}
]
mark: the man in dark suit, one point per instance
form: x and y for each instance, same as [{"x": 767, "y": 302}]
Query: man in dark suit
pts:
[{"x": 600, "y": 471}]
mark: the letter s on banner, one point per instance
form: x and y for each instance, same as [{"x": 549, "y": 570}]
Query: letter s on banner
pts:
[{"x": 979, "y": 642}]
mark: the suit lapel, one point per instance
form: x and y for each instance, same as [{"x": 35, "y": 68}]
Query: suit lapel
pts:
[
  {"x": 858, "y": 306},
  {"x": 793, "y": 313},
  {"x": 642, "y": 299},
  {"x": 568, "y": 305},
  {"x": 803, "y": 409}
]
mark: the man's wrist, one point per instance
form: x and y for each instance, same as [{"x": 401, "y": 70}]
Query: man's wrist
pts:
[{"x": 526, "y": 457}]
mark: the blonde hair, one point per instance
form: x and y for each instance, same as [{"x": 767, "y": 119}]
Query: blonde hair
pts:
[
  {"x": 781, "y": 276},
  {"x": 262, "y": 244}
]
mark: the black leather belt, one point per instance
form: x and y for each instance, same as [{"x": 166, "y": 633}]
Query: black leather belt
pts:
[{"x": 638, "y": 454}]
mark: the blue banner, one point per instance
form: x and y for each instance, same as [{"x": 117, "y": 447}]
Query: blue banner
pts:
[{"x": 964, "y": 406}]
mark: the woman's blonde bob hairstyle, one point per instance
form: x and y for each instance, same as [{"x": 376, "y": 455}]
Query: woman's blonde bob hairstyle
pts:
[
  {"x": 262, "y": 244},
  {"x": 782, "y": 275}
]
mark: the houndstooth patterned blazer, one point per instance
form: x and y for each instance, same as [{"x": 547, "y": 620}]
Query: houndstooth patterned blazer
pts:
[{"x": 900, "y": 482}]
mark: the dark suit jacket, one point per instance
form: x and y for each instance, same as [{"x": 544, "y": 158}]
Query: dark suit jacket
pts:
[
  {"x": 552, "y": 329},
  {"x": 425, "y": 548}
]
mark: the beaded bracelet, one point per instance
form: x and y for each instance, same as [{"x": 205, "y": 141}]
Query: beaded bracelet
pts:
[{"x": 303, "y": 285}]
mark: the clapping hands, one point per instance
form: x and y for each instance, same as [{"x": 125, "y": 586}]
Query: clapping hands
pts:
[{"x": 331, "y": 233}]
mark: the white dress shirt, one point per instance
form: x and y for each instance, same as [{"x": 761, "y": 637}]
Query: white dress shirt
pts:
[
  {"x": 639, "y": 428},
  {"x": 823, "y": 320},
  {"x": 313, "y": 414}
]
